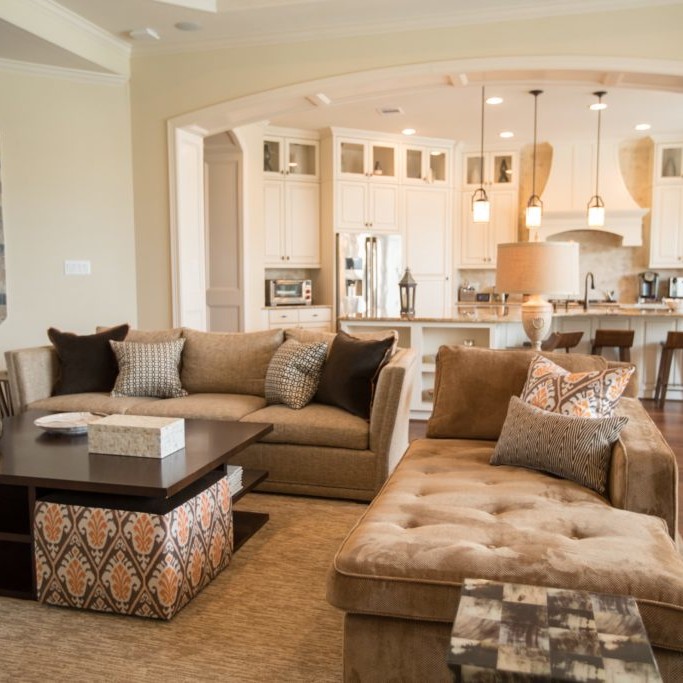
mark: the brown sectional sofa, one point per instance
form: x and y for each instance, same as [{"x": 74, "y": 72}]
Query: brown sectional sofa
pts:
[
  {"x": 318, "y": 450},
  {"x": 446, "y": 514}
]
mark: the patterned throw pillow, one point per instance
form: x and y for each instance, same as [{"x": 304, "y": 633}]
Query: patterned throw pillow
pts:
[
  {"x": 294, "y": 372},
  {"x": 583, "y": 394},
  {"x": 148, "y": 369},
  {"x": 575, "y": 448}
]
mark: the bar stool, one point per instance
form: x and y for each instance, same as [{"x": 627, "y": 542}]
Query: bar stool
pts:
[
  {"x": 620, "y": 339},
  {"x": 561, "y": 340},
  {"x": 674, "y": 341}
]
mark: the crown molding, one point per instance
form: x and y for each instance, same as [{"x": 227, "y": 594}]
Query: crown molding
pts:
[
  {"x": 76, "y": 75},
  {"x": 464, "y": 17},
  {"x": 50, "y": 21}
]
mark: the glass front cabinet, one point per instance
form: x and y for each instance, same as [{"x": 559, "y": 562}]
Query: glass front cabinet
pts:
[
  {"x": 499, "y": 169},
  {"x": 291, "y": 158},
  {"x": 366, "y": 159},
  {"x": 669, "y": 163},
  {"x": 426, "y": 165}
]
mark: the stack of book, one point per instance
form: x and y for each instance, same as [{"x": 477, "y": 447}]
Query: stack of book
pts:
[{"x": 234, "y": 474}]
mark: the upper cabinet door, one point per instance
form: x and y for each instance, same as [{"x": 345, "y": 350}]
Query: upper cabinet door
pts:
[
  {"x": 425, "y": 165},
  {"x": 290, "y": 158},
  {"x": 669, "y": 163},
  {"x": 376, "y": 161},
  {"x": 496, "y": 169}
]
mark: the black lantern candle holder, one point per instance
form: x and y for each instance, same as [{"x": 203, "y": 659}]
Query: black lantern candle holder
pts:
[{"x": 407, "y": 286}]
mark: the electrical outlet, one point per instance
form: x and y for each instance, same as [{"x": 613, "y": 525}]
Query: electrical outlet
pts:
[{"x": 76, "y": 267}]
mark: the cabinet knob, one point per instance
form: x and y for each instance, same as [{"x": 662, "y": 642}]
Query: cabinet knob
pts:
[
  {"x": 315, "y": 315},
  {"x": 282, "y": 171},
  {"x": 287, "y": 257}
]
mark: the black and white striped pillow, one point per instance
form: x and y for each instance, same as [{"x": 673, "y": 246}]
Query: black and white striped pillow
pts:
[
  {"x": 576, "y": 448},
  {"x": 148, "y": 369},
  {"x": 294, "y": 373}
]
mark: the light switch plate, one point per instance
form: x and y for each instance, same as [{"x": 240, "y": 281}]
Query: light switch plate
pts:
[{"x": 76, "y": 267}]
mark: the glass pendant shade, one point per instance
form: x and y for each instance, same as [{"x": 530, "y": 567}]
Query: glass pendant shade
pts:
[
  {"x": 481, "y": 207},
  {"x": 596, "y": 212},
  {"x": 534, "y": 212}
]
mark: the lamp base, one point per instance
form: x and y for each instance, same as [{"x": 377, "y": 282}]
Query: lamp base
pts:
[{"x": 537, "y": 317}]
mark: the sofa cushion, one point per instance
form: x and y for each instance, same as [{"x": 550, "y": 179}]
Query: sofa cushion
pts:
[
  {"x": 230, "y": 362},
  {"x": 446, "y": 515},
  {"x": 229, "y": 407},
  {"x": 586, "y": 394},
  {"x": 314, "y": 425},
  {"x": 89, "y": 403},
  {"x": 473, "y": 387},
  {"x": 350, "y": 372},
  {"x": 148, "y": 369},
  {"x": 576, "y": 448},
  {"x": 294, "y": 373},
  {"x": 86, "y": 362}
]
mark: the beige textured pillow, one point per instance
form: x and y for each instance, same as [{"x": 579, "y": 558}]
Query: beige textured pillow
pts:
[
  {"x": 582, "y": 394},
  {"x": 149, "y": 336},
  {"x": 228, "y": 362},
  {"x": 305, "y": 336},
  {"x": 473, "y": 387},
  {"x": 574, "y": 448}
]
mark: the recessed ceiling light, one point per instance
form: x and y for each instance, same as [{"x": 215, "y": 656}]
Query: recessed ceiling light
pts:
[
  {"x": 145, "y": 33},
  {"x": 408, "y": 131},
  {"x": 597, "y": 106},
  {"x": 188, "y": 26},
  {"x": 643, "y": 126},
  {"x": 494, "y": 100},
  {"x": 506, "y": 134}
]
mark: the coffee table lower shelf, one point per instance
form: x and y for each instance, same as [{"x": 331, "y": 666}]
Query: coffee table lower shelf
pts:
[{"x": 246, "y": 523}]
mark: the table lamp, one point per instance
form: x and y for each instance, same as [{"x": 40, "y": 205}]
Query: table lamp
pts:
[{"x": 538, "y": 269}]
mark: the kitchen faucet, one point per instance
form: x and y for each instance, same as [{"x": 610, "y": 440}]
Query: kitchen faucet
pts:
[{"x": 585, "y": 297}]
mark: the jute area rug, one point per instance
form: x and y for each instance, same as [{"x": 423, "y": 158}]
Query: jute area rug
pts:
[{"x": 265, "y": 618}]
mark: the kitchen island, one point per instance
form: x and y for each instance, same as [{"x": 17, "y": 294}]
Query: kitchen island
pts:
[{"x": 499, "y": 326}]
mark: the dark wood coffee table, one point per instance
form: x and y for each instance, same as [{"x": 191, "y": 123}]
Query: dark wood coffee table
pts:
[{"x": 34, "y": 463}]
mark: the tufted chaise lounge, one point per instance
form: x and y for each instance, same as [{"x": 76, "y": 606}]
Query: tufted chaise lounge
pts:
[{"x": 446, "y": 514}]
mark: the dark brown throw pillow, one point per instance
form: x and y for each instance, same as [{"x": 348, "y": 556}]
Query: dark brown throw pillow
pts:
[
  {"x": 348, "y": 376},
  {"x": 86, "y": 362}
]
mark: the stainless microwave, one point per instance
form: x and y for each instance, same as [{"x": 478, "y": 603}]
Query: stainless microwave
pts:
[{"x": 289, "y": 292}]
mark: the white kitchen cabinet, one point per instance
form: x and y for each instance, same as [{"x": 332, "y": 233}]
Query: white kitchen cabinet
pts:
[
  {"x": 666, "y": 227},
  {"x": 425, "y": 164},
  {"x": 292, "y": 223},
  {"x": 294, "y": 158},
  {"x": 428, "y": 228},
  {"x": 374, "y": 160},
  {"x": 499, "y": 170},
  {"x": 363, "y": 205},
  {"x": 310, "y": 318},
  {"x": 479, "y": 241}
]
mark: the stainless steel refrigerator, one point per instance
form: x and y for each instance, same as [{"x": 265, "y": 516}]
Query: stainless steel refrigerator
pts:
[{"x": 368, "y": 272}]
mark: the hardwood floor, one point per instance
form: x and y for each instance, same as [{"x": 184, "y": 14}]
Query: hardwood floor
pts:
[{"x": 668, "y": 419}]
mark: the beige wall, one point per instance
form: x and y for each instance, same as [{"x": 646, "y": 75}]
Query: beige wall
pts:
[
  {"x": 166, "y": 86},
  {"x": 67, "y": 194}
]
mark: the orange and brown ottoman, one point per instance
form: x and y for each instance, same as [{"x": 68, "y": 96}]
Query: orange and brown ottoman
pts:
[{"x": 132, "y": 556}]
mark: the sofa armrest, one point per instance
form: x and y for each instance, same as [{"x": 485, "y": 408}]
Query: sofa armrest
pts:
[
  {"x": 390, "y": 417},
  {"x": 644, "y": 474},
  {"x": 32, "y": 373}
]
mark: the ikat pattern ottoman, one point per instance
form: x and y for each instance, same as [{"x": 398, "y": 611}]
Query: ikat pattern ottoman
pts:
[{"x": 150, "y": 564}]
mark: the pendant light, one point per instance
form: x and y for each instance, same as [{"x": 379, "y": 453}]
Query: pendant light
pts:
[
  {"x": 481, "y": 207},
  {"x": 596, "y": 207},
  {"x": 534, "y": 207}
]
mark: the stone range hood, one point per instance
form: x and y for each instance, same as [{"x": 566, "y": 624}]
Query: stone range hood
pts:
[{"x": 571, "y": 184}]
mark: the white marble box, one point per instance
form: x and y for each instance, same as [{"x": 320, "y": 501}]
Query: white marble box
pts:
[{"x": 138, "y": 435}]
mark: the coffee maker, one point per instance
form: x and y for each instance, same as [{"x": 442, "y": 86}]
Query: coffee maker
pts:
[{"x": 648, "y": 286}]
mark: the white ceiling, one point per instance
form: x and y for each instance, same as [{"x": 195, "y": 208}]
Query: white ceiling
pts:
[{"x": 437, "y": 105}]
